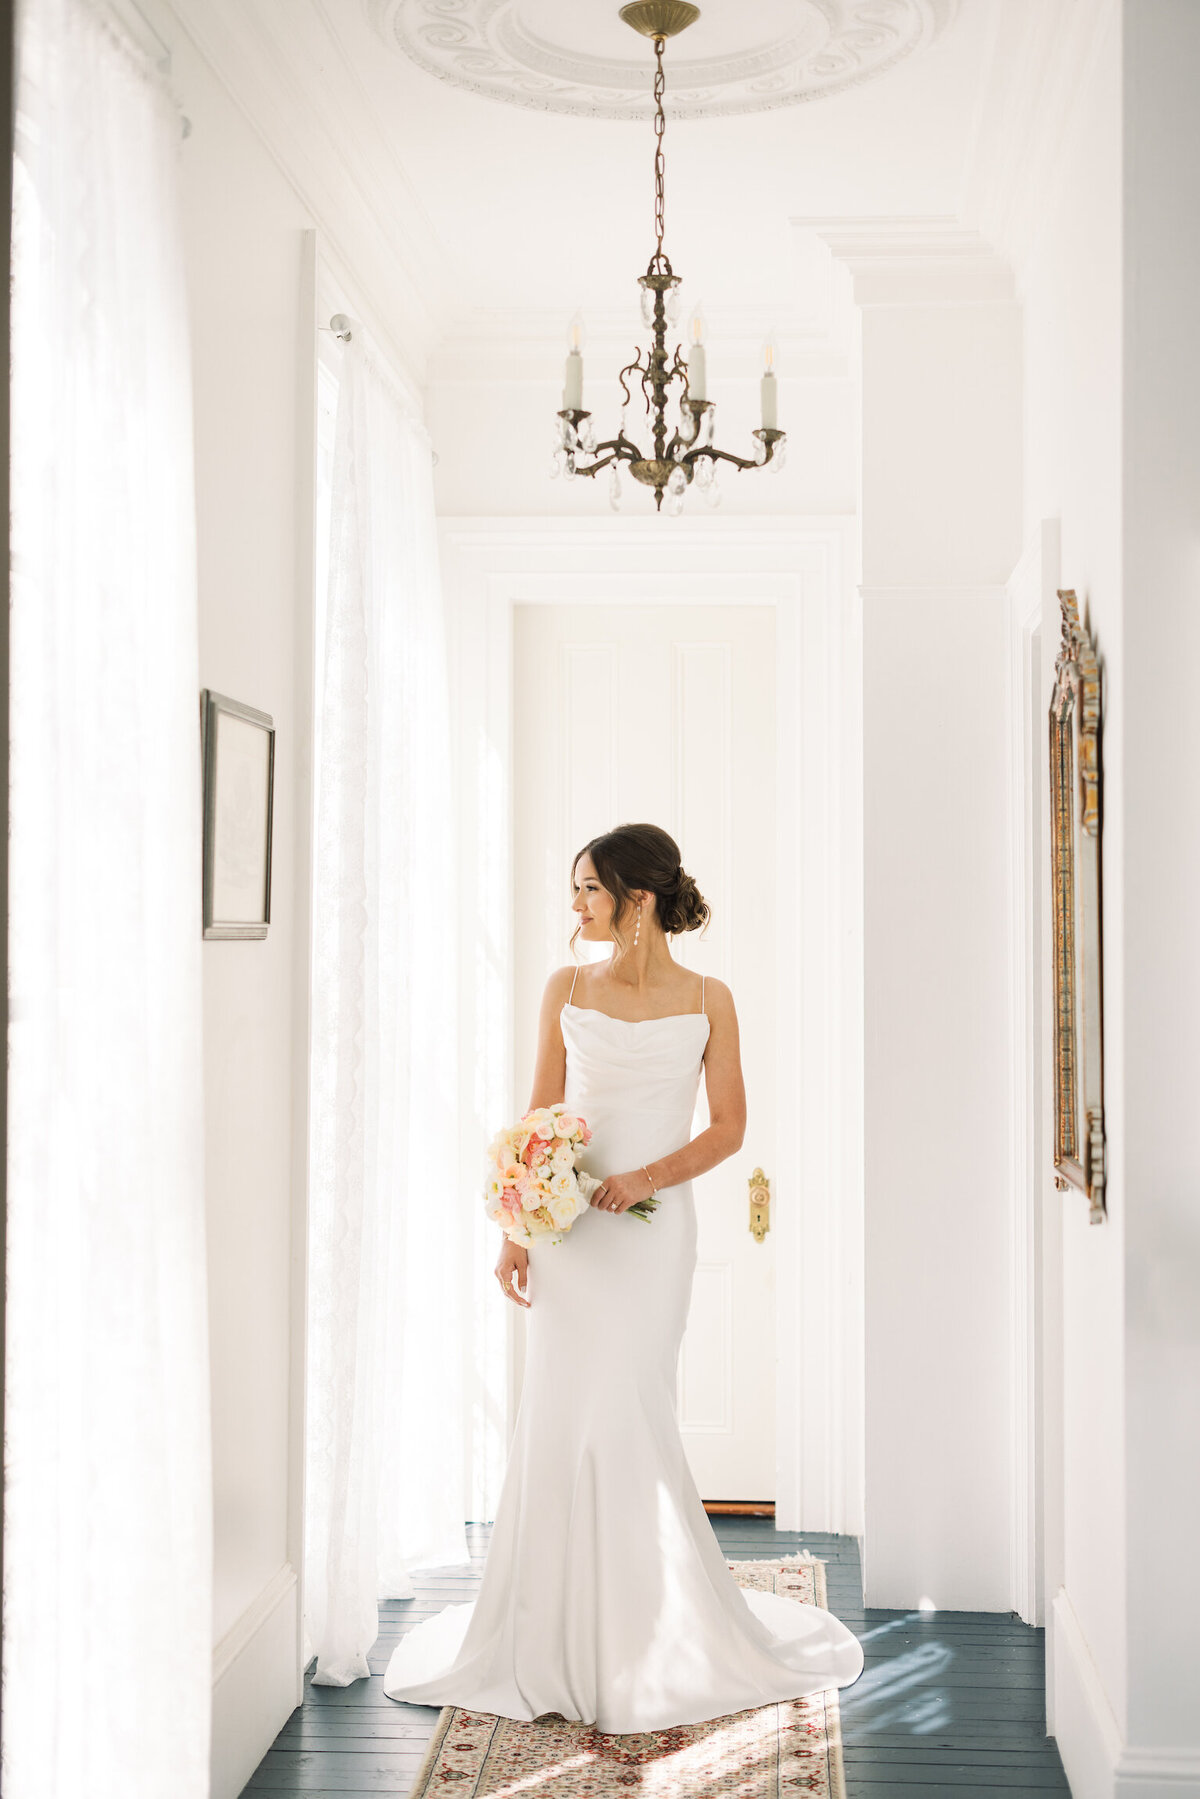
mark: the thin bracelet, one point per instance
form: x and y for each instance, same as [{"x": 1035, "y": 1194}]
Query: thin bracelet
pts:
[{"x": 649, "y": 1177}]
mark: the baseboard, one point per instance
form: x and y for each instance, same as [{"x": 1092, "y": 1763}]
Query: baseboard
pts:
[
  {"x": 1158, "y": 1774},
  {"x": 1098, "y": 1765},
  {"x": 256, "y": 1683},
  {"x": 1085, "y": 1726}
]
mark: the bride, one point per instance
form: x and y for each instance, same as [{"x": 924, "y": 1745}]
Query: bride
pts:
[{"x": 605, "y": 1595}]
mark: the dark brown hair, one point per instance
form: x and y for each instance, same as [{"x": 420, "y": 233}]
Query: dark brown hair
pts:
[{"x": 631, "y": 858}]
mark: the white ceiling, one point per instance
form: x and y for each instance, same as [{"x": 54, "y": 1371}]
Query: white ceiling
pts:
[
  {"x": 470, "y": 217},
  {"x": 538, "y": 208}
]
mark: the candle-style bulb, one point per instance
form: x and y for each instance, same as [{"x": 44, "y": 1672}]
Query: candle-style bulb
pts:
[
  {"x": 573, "y": 381},
  {"x": 697, "y": 359},
  {"x": 769, "y": 389}
]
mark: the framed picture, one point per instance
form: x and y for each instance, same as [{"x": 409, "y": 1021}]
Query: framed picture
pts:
[
  {"x": 238, "y": 752},
  {"x": 1075, "y": 831}
]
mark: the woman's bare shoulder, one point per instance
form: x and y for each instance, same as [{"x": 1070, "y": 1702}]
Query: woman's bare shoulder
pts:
[
  {"x": 558, "y": 986},
  {"x": 718, "y": 998}
]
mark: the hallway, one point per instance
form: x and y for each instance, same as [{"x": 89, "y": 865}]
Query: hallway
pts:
[
  {"x": 324, "y": 665},
  {"x": 951, "y": 1704}
]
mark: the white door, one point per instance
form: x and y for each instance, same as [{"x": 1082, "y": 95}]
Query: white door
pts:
[{"x": 667, "y": 714}]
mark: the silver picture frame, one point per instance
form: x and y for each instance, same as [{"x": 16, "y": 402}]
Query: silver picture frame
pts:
[{"x": 238, "y": 761}]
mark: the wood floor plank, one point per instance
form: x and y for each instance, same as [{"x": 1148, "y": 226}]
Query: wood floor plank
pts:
[
  {"x": 328, "y": 1726},
  {"x": 307, "y": 1785},
  {"x": 858, "y": 1788},
  {"x": 935, "y": 1776},
  {"x": 1009, "y": 1739},
  {"x": 909, "y": 1757},
  {"x": 375, "y": 1759}
]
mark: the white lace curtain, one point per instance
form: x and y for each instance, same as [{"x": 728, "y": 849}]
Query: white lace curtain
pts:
[
  {"x": 108, "y": 1599},
  {"x": 388, "y": 1344}
]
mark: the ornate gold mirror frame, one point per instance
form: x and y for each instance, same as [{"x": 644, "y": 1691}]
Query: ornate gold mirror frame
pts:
[{"x": 1075, "y": 819}]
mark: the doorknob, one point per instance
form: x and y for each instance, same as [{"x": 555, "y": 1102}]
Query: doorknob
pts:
[{"x": 760, "y": 1205}]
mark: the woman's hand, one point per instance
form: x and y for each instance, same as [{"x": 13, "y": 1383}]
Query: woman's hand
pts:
[
  {"x": 512, "y": 1271},
  {"x": 617, "y": 1192}
]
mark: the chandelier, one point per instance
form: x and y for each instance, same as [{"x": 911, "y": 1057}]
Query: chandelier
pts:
[{"x": 686, "y": 453}]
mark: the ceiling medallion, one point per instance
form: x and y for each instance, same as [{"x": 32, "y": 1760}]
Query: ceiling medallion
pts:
[
  {"x": 558, "y": 55},
  {"x": 689, "y": 454}
]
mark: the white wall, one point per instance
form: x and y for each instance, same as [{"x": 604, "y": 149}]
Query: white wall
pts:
[
  {"x": 1160, "y": 1009},
  {"x": 248, "y": 271},
  {"x": 940, "y": 531},
  {"x": 1073, "y": 318},
  {"x": 494, "y": 439},
  {"x": 938, "y": 1472},
  {"x": 1112, "y": 395}
]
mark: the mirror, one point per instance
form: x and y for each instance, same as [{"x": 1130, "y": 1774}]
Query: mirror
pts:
[{"x": 1075, "y": 824}]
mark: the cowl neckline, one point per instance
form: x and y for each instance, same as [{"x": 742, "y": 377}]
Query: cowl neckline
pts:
[{"x": 664, "y": 1018}]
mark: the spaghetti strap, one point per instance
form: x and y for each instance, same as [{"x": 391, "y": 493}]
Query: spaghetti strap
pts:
[
  {"x": 574, "y": 978},
  {"x": 702, "y": 993}
]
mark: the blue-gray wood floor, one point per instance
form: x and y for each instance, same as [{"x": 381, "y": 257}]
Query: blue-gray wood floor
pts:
[{"x": 949, "y": 1704}]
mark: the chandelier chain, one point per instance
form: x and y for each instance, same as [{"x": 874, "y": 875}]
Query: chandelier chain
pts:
[
  {"x": 660, "y": 166},
  {"x": 688, "y": 453}
]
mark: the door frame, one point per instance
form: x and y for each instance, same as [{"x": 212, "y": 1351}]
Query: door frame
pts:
[
  {"x": 804, "y": 570},
  {"x": 1035, "y": 1252}
]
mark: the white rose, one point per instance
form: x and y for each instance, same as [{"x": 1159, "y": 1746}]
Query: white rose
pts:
[{"x": 564, "y": 1211}]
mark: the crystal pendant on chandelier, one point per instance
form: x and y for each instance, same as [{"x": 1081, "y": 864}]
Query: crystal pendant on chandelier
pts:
[
  {"x": 688, "y": 453},
  {"x": 614, "y": 487}
]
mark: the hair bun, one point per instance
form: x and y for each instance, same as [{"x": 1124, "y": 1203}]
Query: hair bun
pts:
[{"x": 683, "y": 907}]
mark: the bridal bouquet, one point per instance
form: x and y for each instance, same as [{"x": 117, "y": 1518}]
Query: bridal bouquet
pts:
[{"x": 534, "y": 1190}]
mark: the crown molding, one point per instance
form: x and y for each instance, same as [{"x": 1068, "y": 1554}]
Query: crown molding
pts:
[
  {"x": 931, "y": 260},
  {"x": 529, "y": 345},
  {"x": 300, "y": 94},
  {"x": 1040, "y": 61}
]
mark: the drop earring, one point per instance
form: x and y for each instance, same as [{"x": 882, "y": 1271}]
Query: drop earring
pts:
[{"x": 638, "y": 929}]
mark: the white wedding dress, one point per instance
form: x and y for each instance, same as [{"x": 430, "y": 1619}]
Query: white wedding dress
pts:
[{"x": 605, "y": 1594}]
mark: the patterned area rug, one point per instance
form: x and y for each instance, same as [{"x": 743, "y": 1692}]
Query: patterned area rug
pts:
[{"x": 768, "y": 1753}]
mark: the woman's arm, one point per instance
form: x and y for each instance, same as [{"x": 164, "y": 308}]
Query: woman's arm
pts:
[
  {"x": 550, "y": 1066},
  {"x": 726, "y": 1110},
  {"x": 549, "y": 1082},
  {"x": 726, "y": 1092}
]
